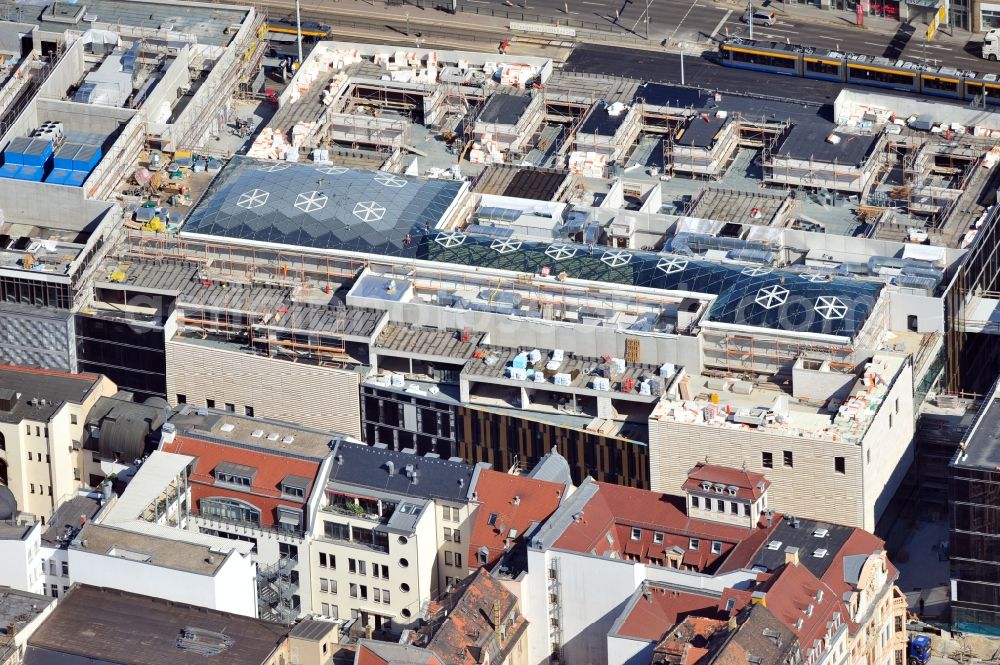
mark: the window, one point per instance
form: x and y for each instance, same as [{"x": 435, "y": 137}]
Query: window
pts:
[
  {"x": 354, "y": 590},
  {"x": 362, "y": 568},
  {"x": 322, "y": 559},
  {"x": 293, "y": 491},
  {"x": 352, "y": 566},
  {"x": 32, "y": 488},
  {"x": 721, "y": 505},
  {"x": 326, "y": 609},
  {"x": 716, "y": 547},
  {"x": 897, "y": 405},
  {"x": 708, "y": 504},
  {"x": 48, "y": 459},
  {"x": 458, "y": 559},
  {"x": 73, "y": 420},
  {"x": 693, "y": 544},
  {"x": 766, "y": 460},
  {"x": 868, "y": 454},
  {"x": 210, "y": 403},
  {"x": 448, "y": 558},
  {"x": 27, "y": 430},
  {"x": 65, "y": 568},
  {"x": 447, "y": 534},
  {"x": 457, "y": 535},
  {"x": 482, "y": 556},
  {"x": 385, "y": 596},
  {"x": 840, "y": 464},
  {"x": 694, "y": 502},
  {"x": 333, "y": 586},
  {"x": 658, "y": 537},
  {"x": 636, "y": 534},
  {"x": 746, "y": 509},
  {"x": 890, "y": 421},
  {"x": 364, "y": 592},
  {"x": 324, "y": 585},
  {"x": 181, "y": 399},
  {"x": 230, "y": 509},
  {"x": 376, "y": 594},
  {"x": 248, "y": 410},
  {"x": 787, "y": 458},
  {"x": 38, "y": 430},
  {"x": 233, "y": 478},
  {"x": 231, "y": 408},
  {"x": 734, "y": 508},
  {"x": 492, "y": 519},
  {"x": 29, "y": 456},
  {"x": 54, "y": 590}
]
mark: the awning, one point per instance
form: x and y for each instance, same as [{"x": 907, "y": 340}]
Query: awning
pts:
[{"x": 291, "y": 520}]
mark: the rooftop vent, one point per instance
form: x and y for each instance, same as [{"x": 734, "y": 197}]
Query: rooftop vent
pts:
[
  {"x": 820, "y": 532},
  {"x": 820, "y": 553},
  {"x": 227, "y": 427},
  {"x": 288, "y": 439},
  {"x": 273, "y": 436},
  {"x": 257, "y": 433},
  {"x": 774, "y": 545}
]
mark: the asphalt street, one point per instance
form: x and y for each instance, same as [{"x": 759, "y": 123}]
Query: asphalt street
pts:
[{"x": 674, "y": 22}]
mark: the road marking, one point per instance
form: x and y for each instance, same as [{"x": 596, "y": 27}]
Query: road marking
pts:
[
  {"x": 593, "y": 4},
  {"x": 869, "y": 43},
  {"x": 721, "y": 23}
]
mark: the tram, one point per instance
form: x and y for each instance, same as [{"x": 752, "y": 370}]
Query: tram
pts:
[
  {"x": 310, "y": 29},
  {"x": 868, "y": 70}
]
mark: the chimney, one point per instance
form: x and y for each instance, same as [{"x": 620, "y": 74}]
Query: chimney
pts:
[
  {"x": 517, "y": 500},
  {"x": 390, "y": 466},
  {"x": 792, "y": 555},
  {"x": 83, "y": 520},
  {"x": 758, "y": 597},
  {"x": 732, "y": 623}
]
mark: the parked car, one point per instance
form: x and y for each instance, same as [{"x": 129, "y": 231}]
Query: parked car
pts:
[{"x": 761, "y": 17}]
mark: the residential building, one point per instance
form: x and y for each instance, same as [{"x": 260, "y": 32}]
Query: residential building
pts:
[
  {"x": 371, "y": 652},
  {"x": 974, "y": 500},
  {"x": 120, "y": 431},
  {"x": 754, "y": 635},
  {"x": 21, "y": 613},
  {"x": 42, "y": 417},
  {"x": 391, "y": 534},
  {"x": 614, "y": 568},
  {"x": 20, "y": 544},
  {"x": 93, "y": 624},
  {"x": 258, "y": 482},
  {"x": 314, "y": 642},
  {"x": 836, "y": 448},
  {"x": 479, "y": 621},
  {"x": 508, "y": 508}
]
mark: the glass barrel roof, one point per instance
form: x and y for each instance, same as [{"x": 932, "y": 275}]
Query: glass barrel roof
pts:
[
  {"x": 808, "y": 302},
  {"x": 323, "y": 207}
]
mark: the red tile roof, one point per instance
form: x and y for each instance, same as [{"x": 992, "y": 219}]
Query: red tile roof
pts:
[
  {"x": 271, "y": 468},
  {"x": 495, "y": 492},
  {"x": 751, "y": 486},
  {"x": 657, "y": 609},
  {"x": 609, "y": 517},
  {"x": 793, "y": 594},
  {"x": 860, "y": 542}
]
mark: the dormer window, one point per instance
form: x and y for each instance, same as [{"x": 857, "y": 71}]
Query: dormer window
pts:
[
  {"x": 706, "y": 485},
  {"x": 720, "y": 488},
  {"x": 732, "y": 490},
  {"x": 235, "y": 474},
  {"x": 693, "y": 544},
  {"x": 294, "y": 487},
  {"x": 636, "y": 533},
  {"x": 657, "y": 537}
]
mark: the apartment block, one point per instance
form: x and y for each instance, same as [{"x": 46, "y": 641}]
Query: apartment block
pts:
[
  {"x": 391, "y": 534},
  {"x": 42, "y": 417}
]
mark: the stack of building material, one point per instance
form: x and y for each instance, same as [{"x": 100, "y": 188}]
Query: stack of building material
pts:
[
  {"x": 330, "y": 92},
  {"x": 587, "y": 164},
  {"x": 301, "y": 131},
  {"x": 270, "y": 144},
  {"x": 486, "y": 151}
]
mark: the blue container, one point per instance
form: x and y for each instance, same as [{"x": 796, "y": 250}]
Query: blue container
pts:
[
  {"x": 65, "y": 155},
  {"x": 520, "y": 361},
  {"x": 31, "y": 172},
  {"x": 87, "y": 158},
  {"x": 9, "y": 170},
  {"x": 38, "y": 153},
  {"x": 14, "y": 154},
  {"x": 76, "y": 178},
  {"x": 58, "y": 177}
]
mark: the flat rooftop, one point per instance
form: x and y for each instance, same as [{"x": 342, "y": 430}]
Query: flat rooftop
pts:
[
  {"x": 504, "y": 109},
  {"x": 18, "y": 609},
  {"x": 150, "y": 549},
  {"x": 50, "y": 253},
  {"x": 64, "y": 525},
  {"x": 981, "y": 448},
  {"x": 808, "y": 141},
  {"x": 208, "y": 24},
  {"x": 415, "y": 341},
  {"x": 384, "y": 470},
  {"x": 601, "y": 122},
  {"x": 833, "y": 420},
  {"x": 36, "y": 394},
  {"x": 97, "y": 625},
  {"x": 522, "y": 182},
  {"x": 254, "y": 433}
]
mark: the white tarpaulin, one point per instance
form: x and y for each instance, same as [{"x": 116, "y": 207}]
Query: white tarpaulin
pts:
[
  {"x": 935, "y": 255},
  {"x": 101, "y": 37}
]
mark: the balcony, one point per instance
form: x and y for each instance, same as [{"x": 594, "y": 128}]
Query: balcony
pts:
[
  {"x": 371, "y": 510},
  {"x": 356, "y": 536}
]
